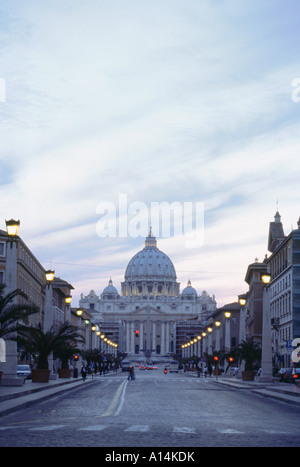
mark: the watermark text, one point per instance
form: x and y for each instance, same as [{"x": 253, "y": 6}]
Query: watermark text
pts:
[{"x": 166, "y": 219}]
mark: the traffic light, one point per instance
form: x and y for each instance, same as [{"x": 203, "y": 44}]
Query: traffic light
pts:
[
  {"x": 216, "y": 359},
  {"x": 230, "y": 359},
  {"x": 76, "y": 358},
  {"x": 137, "y": 332}
]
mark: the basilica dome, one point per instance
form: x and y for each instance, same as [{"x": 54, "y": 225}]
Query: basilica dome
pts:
[
  {"x": 150, "y": 271},
  {"x": 189, "y": 292},
  {"x": 110, "y": 291},
  {"x": 150, "y": 263}
]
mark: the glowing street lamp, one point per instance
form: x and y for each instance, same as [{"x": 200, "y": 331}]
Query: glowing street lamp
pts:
[
  {"x": 12, "y": 228},
  {"x": 266, "y": 278},
  {"x": 266, "y": 360},
  {"x": 227, "y": 330},
  {"x": 68, "y": 299},
  {"x": 49, "y": 276}
]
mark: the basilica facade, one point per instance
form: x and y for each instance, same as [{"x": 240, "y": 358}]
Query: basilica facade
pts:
[{"x": 150, "y": 307}]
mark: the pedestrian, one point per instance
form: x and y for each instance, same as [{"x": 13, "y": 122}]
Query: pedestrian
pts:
[
  {"x": 83, "y": 372},
  {"x": 131, "y": 374}
]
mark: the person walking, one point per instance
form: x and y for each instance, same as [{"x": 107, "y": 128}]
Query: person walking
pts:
[
  {"x": 83, "y": 372},
  {"x": 131, "y": 374}
]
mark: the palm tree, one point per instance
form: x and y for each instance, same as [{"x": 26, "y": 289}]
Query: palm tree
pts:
[
  {"x": 11, "y": 313},
  {"x": 250, "y": 352},
  {"x": 41, "y": 344},
  {"x": 64, "y": 352}
]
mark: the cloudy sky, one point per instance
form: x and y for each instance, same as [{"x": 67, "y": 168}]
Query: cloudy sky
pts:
[{"x": 175, "y": 101}]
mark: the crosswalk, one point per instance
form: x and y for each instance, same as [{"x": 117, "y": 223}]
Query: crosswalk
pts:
[{"x": 176, "y": 430}]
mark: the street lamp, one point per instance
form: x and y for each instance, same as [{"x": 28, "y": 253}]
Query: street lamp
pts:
[
  {"x": 242, "y": 330},
  {"x": 49, "y": 310},
  {"x": 217, "y": 345},
  {"x": 49, "y": 318},
  {"x": 227, "y": 331},
  {"x": 12, "y": 228},
  {"x": 10, "y": 366},
  {"x": 266, "y": 278},
  {"x": 209, "y": 330},
  {"x": 68, "y": 300},
  {"x": 266, "y": 361},
  {"x": 49, "y": 276}
]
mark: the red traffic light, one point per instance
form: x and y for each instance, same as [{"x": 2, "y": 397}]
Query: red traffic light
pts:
[
  {"x": 76, "y": 357},
  {"x": 230, "y": 359},
  {"x": 137, "y": 332},
  {"x": 216, "y": 359}
]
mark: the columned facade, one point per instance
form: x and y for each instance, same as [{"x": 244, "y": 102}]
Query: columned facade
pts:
[{"x": 149, "y": 306}]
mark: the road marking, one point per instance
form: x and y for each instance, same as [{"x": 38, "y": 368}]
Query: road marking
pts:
[
  {"x": 47, "y": 428},
  {"x": 229, "y": 431},
  {"x": 114, "y": 403},
  {"x": 275, "y": 432},
  {"x": 139, "y": 428},
  {"x": 121, "y": 400},
  {"x": 183, "y": 429},
  {"x": 94, "y": 428}
]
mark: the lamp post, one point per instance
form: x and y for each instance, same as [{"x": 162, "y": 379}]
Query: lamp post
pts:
[
  {"x": 266, "y": 360},
  {"x": 10, "y": 366},
  {"x": 199, "y": 347},
  {"x": 49, "y": 311},
  {"x": 217, "y": 345},
  {"x": 242, "y": 330},
  {"x": 209, "y": 330},
  {"x": 68, "y": 300},
  {"x": 81, "y": 344},
  {"x": 49, "y": 315},
  {"x": 227, "y": 315}
]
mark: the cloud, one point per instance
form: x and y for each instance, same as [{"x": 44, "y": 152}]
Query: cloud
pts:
[{"x": 164, "y": 101}]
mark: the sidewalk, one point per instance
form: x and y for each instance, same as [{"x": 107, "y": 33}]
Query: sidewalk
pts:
[
  {"x": 289, "y": 393},
  {"x": 283, "y": 392},
  {"x": 17, "y": 397}
]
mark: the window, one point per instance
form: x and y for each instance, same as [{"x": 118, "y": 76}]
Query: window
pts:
[{"x": 2, "y": 249}]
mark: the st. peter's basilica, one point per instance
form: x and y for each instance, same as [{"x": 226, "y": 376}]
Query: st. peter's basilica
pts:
[{"x": 150, "y": 308}]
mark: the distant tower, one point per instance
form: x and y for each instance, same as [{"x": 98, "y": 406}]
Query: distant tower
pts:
[{"x": 276, "y": 233}]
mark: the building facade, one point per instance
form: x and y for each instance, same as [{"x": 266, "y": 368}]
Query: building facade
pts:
[
  {"x": 254, "y": 307},
  {"x": 284, "y": 267},
  {"x": 150, "y": 305}
]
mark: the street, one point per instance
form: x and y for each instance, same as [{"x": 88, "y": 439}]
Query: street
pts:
[{"x": 155, "y": 410}]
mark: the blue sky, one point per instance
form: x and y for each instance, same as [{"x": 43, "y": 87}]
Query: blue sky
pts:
[{"x": 168, "y": 100}]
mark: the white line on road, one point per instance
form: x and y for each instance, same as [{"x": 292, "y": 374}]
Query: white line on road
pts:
[
  {"x": 94, "y": 428},
  {"x": 183, "y": 429},
  {"x": 138, "y": 428},
  {"x": 47, "y": 428}
]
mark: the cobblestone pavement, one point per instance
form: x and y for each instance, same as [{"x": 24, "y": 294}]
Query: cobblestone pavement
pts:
[{"x": 155, "y": 410}]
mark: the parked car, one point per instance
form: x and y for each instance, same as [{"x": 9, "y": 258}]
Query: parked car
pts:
[
  {"x": 24, "y": 371},
  {"x": 292, "y": 375}
]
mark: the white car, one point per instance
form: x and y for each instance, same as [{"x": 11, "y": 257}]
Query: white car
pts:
[{"x": 24, "y": 371}]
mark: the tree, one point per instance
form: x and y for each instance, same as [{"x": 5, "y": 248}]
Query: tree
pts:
[
  {"x": 41, "y": 344},
  {"x": 250, "y": 352},
  {"x": 64, "y": 352},
  {"x": 11, "y": 313}
]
